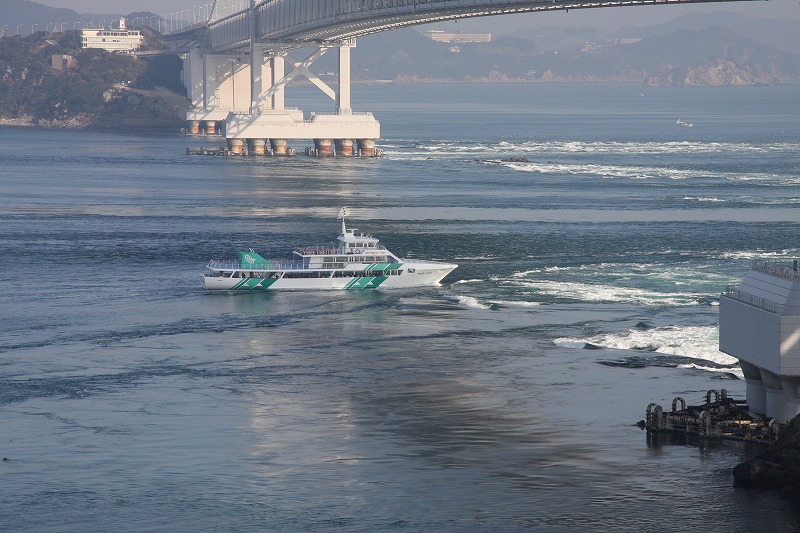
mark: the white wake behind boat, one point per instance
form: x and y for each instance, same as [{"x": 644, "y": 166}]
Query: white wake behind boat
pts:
[
  {"x": 683, "y": 123},
  {"x": 358, "y": 261}
]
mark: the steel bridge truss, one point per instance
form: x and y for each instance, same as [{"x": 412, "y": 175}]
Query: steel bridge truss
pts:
[{"x": 314, "y": 21}]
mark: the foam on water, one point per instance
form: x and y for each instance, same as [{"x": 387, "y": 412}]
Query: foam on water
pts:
[
  {"x": 516, "y": 303},
  {"x": 595, "y": 147},
  {"x": 703, "y": 199},
  {"x": 470, "y": 301},
  {"x": 787, "y": 253},
  {"x": 609, "y": 282},
  {"x": 697, "y": 342},
  {"x": 552, "y": 151},
  {"x": 297, "y": 407},
  {"x": 645, "y": 172},
  {"x": 594, "y": 292}
]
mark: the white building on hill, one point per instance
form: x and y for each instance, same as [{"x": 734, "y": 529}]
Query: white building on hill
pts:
[{"x": 112, "y": 39}]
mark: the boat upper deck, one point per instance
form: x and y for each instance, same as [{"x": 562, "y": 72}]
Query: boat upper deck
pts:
[{"x": 322, "y": 250}]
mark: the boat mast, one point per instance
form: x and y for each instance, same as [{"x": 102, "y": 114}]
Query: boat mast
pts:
[{"x": 344, "y": 212}]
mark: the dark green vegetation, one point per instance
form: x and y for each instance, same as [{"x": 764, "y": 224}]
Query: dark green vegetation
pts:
[{"x": 91, "y": 88}]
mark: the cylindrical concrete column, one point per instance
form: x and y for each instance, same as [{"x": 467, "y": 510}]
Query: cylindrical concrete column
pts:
[
  {"x": 791, "y": 392},
  {"x": 194, "y": 127},
  {"x": 256, "y": 146},
  {"x": 756, "y": 392},
  {"x": 278, "y": 146},
  {"x": 323, "y": 147},
  {"x": 366, "y": 147},
  {"x": 235, "y": 145},
  {"x": 211, "y": 126},
  {"x": 776, "y": 401},
  {"x": 344, "y": 147}
]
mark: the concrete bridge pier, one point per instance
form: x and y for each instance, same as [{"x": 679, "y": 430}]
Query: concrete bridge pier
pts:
[
  {"x": 256, "y": 146},
  {"x": 776, "y": 401},
  {"x": 759, "y": 323},
  {"x": 279, "y": 147},
  {"x": 218, "y": 87},
  {"x": 756, "y": 391},
  {"x": 344, "y": 147},
  {"x": 366, "y": 147},
  {"x": 236, "y": 146},
  {"x": 324, "y": 147}
]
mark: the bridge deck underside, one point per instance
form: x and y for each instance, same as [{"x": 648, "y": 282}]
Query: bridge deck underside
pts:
[{"x": 316, "y": 21}]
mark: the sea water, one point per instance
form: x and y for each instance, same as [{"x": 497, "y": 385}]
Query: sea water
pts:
[{"x": 593, "y": 236}]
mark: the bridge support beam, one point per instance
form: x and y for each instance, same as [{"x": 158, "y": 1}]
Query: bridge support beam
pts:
[
  {"x": 277, "y": 67},
  {"x": 248, "y": 97},
  {"x": 343, "y": 95}
]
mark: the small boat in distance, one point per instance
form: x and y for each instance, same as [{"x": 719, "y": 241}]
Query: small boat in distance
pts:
[
  {"x": 683, "y": 123},
  {"x": 358, "y": 261}
]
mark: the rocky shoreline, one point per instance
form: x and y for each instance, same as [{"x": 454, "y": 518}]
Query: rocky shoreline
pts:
[
  {"x": 131, "y": 110},
  {"x": 18, "y": 121},
  {"x": 778, "y": 467}
]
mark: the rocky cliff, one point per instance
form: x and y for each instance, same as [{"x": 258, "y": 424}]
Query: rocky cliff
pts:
[
  {"x": 87, "y": 88},
  {"x": 778, "y": 467}
]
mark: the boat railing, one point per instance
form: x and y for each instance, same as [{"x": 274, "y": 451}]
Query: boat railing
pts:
[
  {"x": 232, "y": 264},
  {"x": 328, "y": 250},
  {"x": 317, "y": 250},
  {"x": 424, "y": 261}
]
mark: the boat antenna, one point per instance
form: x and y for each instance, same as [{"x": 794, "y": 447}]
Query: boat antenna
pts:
[{"x": 344, "y": 212}]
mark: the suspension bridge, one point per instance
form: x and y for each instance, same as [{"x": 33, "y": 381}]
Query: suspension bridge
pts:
[{"x": 239, "y": 56}]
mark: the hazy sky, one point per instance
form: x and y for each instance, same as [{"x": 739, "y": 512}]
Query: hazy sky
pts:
[{"x": 607, "y": 19}]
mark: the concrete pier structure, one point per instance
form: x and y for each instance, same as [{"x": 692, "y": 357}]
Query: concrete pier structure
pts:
[
  {"x": 290, "y": 124},
  {"x": 279, "y": 146},
  {"x": 344, "y": 147},
  {"x": 246, "y": 95},
  {"x": 366, "y": 147},
  {"x": 236, "y": 146},
  {"x": 324, "y": 147},
  {"x": 759, "y": 323},
  {"x": 256, "y": 146}
]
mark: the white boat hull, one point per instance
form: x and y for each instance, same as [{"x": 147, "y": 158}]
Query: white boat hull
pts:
[
  {"x": 413, "y": 275},
  {"x": 358, "y": 262}
]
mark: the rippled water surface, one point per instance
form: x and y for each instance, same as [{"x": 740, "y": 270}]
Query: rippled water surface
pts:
[{"x": 505, "y": 399}]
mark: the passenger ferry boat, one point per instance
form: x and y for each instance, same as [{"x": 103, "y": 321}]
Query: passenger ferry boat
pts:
[{"x": 359, "y": 261}]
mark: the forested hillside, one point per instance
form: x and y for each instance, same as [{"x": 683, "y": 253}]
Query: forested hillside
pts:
[{"x": 92, "y": 89}]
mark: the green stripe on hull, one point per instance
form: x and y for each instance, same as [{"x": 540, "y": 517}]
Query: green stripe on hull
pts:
[
  {"x": 376, "y": 281},
  {"x": 383, "y": 266},
  {"x": 366, "y": 282},
  {"x": 255, "y": 283}
]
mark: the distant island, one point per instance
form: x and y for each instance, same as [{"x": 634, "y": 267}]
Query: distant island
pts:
[
  {"x": 714, "y": 56},
  {"x": 48, "y": 80}
]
